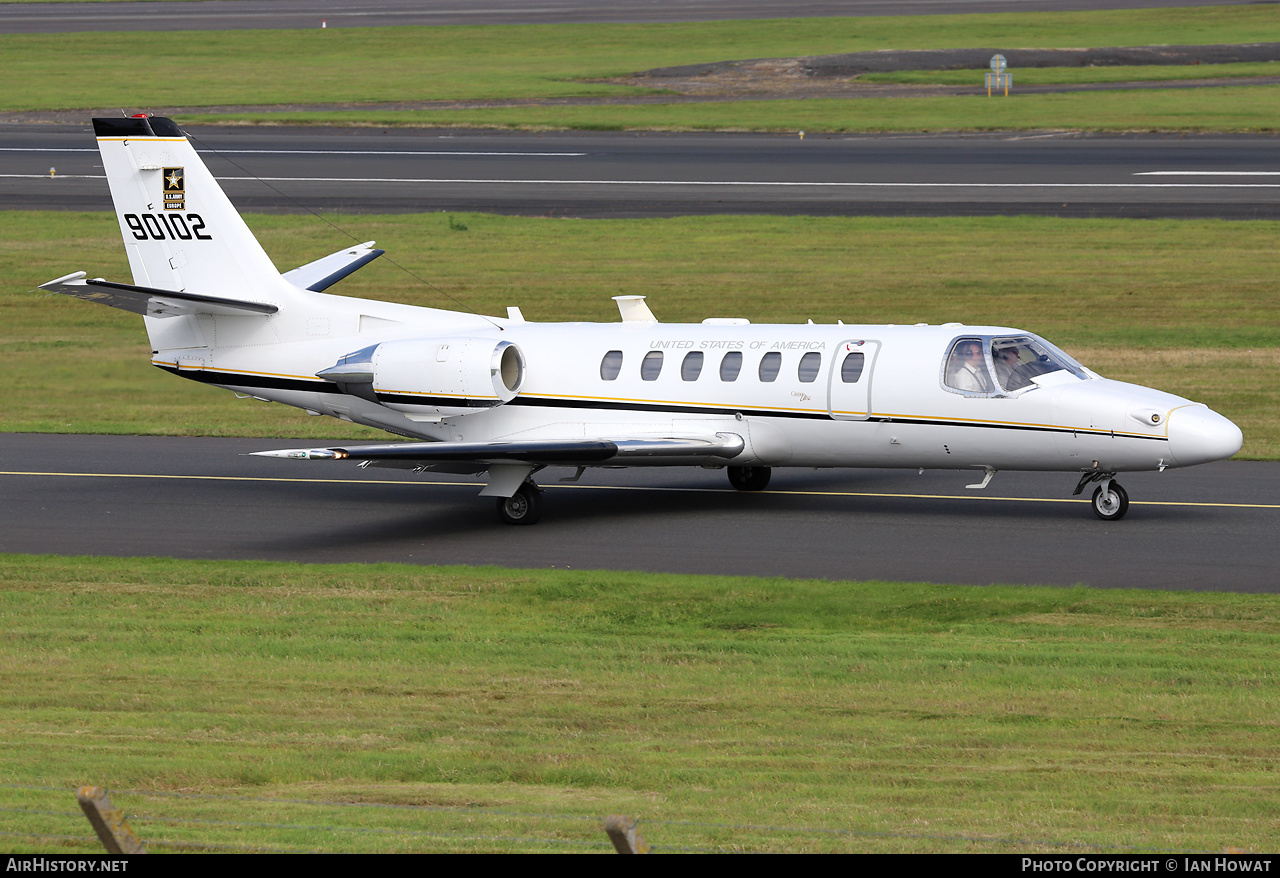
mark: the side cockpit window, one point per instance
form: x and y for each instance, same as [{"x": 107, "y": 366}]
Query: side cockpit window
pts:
[{"x": 966, "y": 369}]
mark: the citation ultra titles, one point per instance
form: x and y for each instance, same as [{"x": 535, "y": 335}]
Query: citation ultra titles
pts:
[{"x": 507, "y": 397}]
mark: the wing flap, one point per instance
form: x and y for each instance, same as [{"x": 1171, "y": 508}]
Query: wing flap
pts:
[
  {"x": 543, "y": 452},
  {"x": 327, "y": 271},
  {"x": 151, "y": 302}
]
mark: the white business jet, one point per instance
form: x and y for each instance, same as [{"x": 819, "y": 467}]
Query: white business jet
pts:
[{"x": 507, "y": 397}]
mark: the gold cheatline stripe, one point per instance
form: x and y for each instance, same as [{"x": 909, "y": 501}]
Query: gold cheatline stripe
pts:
[{"x": 641, "y": 488}]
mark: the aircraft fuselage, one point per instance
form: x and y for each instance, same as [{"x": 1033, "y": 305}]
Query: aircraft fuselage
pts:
[{"x": 898, "y": 413}]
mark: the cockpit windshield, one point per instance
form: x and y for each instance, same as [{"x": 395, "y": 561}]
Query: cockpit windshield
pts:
[
  {"x": 1000, "y": 365},
  {"x": 1022, "y": 359}
]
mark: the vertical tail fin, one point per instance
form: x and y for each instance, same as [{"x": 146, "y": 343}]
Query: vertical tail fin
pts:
[{"x": 180, "y": 230}]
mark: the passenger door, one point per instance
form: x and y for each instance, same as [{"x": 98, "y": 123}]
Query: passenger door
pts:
[{"x": 849, "y": 381}]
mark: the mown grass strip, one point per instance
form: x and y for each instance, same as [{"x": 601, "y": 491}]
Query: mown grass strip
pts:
[
  {"x": 1237, "y": 109},
  {"x": 1185, "y": 306},
  {"x": 524, "y": 704}
]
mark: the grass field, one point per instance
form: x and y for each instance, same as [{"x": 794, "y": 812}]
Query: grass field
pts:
[
  {"x": 1186, "y": 306},
  {"x": 1238, "y": 109},
  {"x": 528, "y": 704},
  {"x": 43, "y": 72}
]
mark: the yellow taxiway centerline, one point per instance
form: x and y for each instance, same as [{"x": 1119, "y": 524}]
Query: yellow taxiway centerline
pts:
[{"x": 639, "y": 488}]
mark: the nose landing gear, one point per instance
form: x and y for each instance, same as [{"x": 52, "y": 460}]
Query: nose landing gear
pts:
[{"x": 1110, "y": 501}]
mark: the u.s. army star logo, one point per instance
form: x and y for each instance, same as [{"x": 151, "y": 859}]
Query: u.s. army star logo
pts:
[{"x": 175, "y": 189}]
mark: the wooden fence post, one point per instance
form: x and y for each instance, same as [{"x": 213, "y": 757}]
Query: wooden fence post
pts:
[
  {"x": 108, "y": 821},
  {"x": 622, "y": 832}
]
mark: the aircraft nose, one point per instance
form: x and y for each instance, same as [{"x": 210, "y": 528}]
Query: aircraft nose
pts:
[{"x": 1197, "y": 434}]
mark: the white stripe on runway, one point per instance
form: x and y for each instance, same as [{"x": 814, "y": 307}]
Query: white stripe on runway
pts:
[
  {"x": 45, "y": 149},
  {"x": 759, "y": 183},
  {"x": 313, "y": 151},
  {"x": 1207, "y": 174},
  {"x": 378, "y": 152},
  {"x": 772, "y": 183}
]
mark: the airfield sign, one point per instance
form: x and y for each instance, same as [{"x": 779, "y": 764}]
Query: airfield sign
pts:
[{"x": 998, "y": 77}]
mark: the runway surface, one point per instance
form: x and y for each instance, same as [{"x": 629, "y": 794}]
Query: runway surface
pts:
[
  {"x": 243, "y": 14},
  {"x": 623, "y": 174},
  {"x": 1206, "y": 528}
]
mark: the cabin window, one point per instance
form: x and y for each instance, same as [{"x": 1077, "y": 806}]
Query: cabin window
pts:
[
  {"x": 651, "y": 366},
  {"x": 691, "y": 368},
  {"x": 810, "y": 364},
  {"x": 851, "y": 368},
  {"x": 966, "y": 369},
  {"x": 770, "y": 364},
  {"x": 730, "y": 366},
  {"x": 611, "y": 365}
]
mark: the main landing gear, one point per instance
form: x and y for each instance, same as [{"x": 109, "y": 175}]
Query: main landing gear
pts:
[
  {"x": 1110, "y": 500},
  {"x": 522, "y": 507},
  {"x": 749, "y": 478}
]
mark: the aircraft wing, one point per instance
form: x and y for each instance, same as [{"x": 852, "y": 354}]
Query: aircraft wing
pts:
[
  {"x": 540, "y": 452},
  {"x": 324, "y": 273},
  {"x": 151, "y": 302}
]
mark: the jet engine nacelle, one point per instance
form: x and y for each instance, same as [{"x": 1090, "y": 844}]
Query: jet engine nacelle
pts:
[{"x": 446, "y": 376}]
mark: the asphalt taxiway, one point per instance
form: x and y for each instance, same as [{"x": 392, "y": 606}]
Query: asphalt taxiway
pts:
[
  {"x": 1206, "y": 528},
  {"x": 363, "y": 170}
]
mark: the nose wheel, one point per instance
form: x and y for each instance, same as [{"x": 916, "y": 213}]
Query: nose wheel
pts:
[
  {"x": 522, "y": 507},
  {"x": 1110, "y": 501}
]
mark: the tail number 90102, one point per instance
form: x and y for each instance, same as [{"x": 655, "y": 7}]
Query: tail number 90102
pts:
[{"x": 162, "y": 226}]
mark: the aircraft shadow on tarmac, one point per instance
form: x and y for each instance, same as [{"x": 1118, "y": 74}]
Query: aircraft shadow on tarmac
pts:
[{"x": 446, "y": 515}]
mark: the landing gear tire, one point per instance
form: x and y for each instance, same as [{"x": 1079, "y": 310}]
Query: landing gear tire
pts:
[
  {"x": 522, "y": 507},
  {"x": 1110, "y": 502},
  {"x": 749, "y": 478}
]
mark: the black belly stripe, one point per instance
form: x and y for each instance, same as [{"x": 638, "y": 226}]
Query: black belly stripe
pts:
[
  {"x": 263, "y": 382},
  {"x": 455, "y": 401}
]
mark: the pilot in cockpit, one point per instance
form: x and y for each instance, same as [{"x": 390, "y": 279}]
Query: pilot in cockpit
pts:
[
  {"x": 968, "y": 369},
  {"x": 1007, "y": 360}
]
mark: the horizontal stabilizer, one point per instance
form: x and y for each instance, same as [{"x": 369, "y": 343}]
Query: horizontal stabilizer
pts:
[
  {"x": 151, "y": 302},
  {"x": 324, "y": 273},
  {"x": 545, "y": 452}
]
